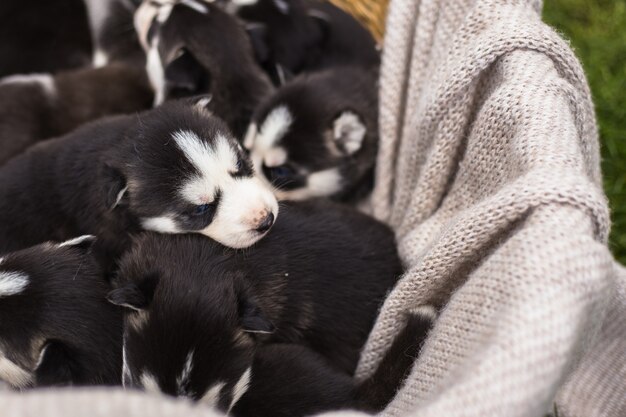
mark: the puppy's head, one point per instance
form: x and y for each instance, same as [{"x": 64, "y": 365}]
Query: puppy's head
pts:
[
  {"x": 190, "y": 327},
  {"x": 193, "y": 47},
  {"x": 307, "y": 144},
  {"x": 181, "y": 171},
  {"x": 57, "y": 327}
]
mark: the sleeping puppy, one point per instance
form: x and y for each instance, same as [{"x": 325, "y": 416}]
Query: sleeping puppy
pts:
[
  {"x": 194, "y": 47},
  {"x": 175, "y": 169},
  {"x": 57, "y": 327},
  {"x": 297, "y": 36},
  {"x": 43, "y": 36},
  {"x": 318, "y": 136},
  {"x": 40, "y": 106},
  {"x": 113, "y": 32},
  {"x": 197, "y": 311},
  {"x": 288, "y": 380}
]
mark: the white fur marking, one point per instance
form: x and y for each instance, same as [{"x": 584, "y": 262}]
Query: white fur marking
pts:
[
  {"x": 127, "y": 377},
  {"x": 276, "y": 156},
  {"x": 46, "y": 81},
  {"x": 100, "y": 58},
  {"x": 165, "y": 10},
  {"x": 349, "y": 132},
  {"x": 198, "y": 7},
  {"x": 274, "y": 127},
  {"x": 214, "y": 165},
  {"x": 155, "y": 72},
  {"x": 248, "y": 141},
  {"x": 149, "y": 383},
  {"x": 77, "y": 240},
  {"x": 12, "y": 283},
  {"x": 13, "y": 374},
  {"x": 212, "y": 396},
  {"x": 185, "y": 375},
  {"x": 162, "y": 224},
  {"x": 319, "y": 184},
  {"x": 144, "y": 16},
  {"x": 240, "y": 388},
  {"x": 119, "y": 197}
]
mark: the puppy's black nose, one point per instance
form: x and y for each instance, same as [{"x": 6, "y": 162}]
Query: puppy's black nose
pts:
[{"x": 265, "y": 225}]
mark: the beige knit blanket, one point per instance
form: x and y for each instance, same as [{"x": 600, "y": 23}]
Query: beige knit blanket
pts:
[{"x": 489, "y": 172}]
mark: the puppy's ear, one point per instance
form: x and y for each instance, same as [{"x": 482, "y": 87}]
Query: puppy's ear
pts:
[
  {"x": 185, "y": 76},
  {"x": 56, "y": 365},
  {"x": 115, "y": 187},
  {"x": 348, "y": 132},
  {"x": 257, "y": 32},
  {"x": 84, "y": 243},
  {"x": 137, "y": 295},
  {"x": 322, "y": 21},
  {"x": 253, "y": 320}
]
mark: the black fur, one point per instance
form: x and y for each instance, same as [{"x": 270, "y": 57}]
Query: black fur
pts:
[
  {"x": 210, "y": 53},
  {"x": 61, "y": 318},
  {"x": 315, "y": 101},
  {"x": 306, "y": 36},
  {"x": 375, "y": 393},
  {"x": 291, "y": 381},
  {"x": 317, "y": 279},
  {"x": 29, "y": 113},
  {"x": 116, "y": 35},
  {"x": 43, "y": 36},
  {"x": 69, "y": 186}
]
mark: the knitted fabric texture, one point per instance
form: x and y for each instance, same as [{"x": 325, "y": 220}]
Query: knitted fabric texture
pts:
[{"x": 488, "y": 170}]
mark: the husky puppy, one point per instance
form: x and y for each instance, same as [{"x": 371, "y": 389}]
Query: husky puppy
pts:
[
  {"x": 196, "y": 311},
  {"x": 57, "y": 327},
  {"x": 297, "y": 36},
  {"x": 43, "y": 36},
  {"x": 288, "y": 380},
  {"x": 40, "y": 106},
  {"x": 193, "y": 47},
  {"x": 318, "y": 136},
  {"x": 175, "y": 169},
  {"x": 113, "y": 32}
]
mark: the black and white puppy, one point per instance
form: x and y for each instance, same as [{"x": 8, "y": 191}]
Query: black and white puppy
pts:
[
  {"x": 297, "y": 36},
  {"x": 175, "y": 169},
  {"x": 194, "y": 47},
  {"x": 43, "y": 36},
  {"x": 113, "y": 32},
  {"x": 197, "y": 310},
  {"x": 40, "y": 106},
  {"x": 288, "y": 380},
  {"x": 56, "y": 326},
  {"x": 317, "y": 136}
]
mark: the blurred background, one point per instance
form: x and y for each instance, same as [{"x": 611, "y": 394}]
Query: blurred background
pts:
[{"x": 597, "y": 32}]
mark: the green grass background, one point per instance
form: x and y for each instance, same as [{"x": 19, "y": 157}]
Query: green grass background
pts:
[{"x": 597, "y": 32}]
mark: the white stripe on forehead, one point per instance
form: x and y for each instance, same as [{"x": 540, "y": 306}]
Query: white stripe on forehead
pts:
[
  {"x": 212, "y": 396},
  {"x": 13, "y": 373},
  {"x": 240, "y": 388},
  {"x": 214, "y": 164},
  {"x": 274, "y": 127},
  {"x": 185, "y": 374},
  {"x": 12, "y": 283}
]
